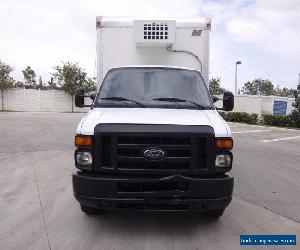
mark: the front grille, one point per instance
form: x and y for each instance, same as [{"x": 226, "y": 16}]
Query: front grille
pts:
[
  {"x": 106, "y": 151},
  {"x": 120, "y": 148},
  {"x": 129, "y": 152}
]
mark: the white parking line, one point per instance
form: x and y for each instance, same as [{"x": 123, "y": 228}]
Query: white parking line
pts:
[
  {"x": 250, "y": 131},
  {"x": 282, "y": 139}
]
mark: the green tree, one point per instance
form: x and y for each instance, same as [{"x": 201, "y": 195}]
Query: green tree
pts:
[
  {"x": 284, "y": 92},
  {"x": 41, "y": 85},
  {"x": 250, "y": 88},
  {"x": 294, "y": 117},
  {"x": 215, "y": 86},
  {"x": 296, "y": 104},
  {"x": 6, "y": 81},
  {"x": 70, "y": 77},
  {"x": 29, "y": 77},
  {"x": 258, "y": 87},
  {"x": 19, "y": 84},
  {"x": 51, "y": 84}
]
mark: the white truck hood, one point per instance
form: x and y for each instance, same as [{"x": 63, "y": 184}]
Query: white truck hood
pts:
[{"x": 153, "y": 116}]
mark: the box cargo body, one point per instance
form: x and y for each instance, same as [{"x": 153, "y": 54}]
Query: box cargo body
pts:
[{"x": 120, "y": 42}]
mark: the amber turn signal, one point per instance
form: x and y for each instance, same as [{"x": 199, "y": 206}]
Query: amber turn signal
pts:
[
  {"x": 224, "y": 143},
  {"x": 84, "y": 141}
]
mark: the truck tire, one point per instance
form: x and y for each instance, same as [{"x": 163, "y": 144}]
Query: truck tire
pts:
[
  {"x": 89, "y": 210},
  {"x": 216, "y": 213}
]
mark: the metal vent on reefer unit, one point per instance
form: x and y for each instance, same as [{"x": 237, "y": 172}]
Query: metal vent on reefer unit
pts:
[
  {"x": 155, "y": 31},
  {"x": 149, "y": 33}
]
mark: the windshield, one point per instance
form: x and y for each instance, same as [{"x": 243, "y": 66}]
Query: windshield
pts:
[{"x": 153, "y": 87}]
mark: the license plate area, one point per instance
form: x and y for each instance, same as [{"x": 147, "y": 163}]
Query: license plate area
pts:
[{"x": 135, "y": 187}]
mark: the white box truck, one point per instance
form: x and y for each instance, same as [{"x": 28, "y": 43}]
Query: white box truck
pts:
[{"x": 153, "y": 139}]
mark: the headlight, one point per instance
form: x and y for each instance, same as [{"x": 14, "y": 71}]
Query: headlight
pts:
[
  {"x": 84, "y": 159},
  {"x": 223, "y": 160}
]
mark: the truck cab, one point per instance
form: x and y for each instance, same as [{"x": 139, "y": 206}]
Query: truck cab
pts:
[{"x": 153, "y": 140}]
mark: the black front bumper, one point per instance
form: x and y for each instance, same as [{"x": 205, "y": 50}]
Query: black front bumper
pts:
[{"x": 152, "y": 193}]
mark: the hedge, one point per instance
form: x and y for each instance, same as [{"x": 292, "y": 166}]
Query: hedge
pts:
[
  {"x": 240, "y": 117},
  {"x": 292, "y": 120}
]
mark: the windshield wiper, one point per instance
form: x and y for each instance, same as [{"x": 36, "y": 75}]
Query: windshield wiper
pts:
[
  {"x": 121, "y": 99},
  {"x": 173, "y": 99}
]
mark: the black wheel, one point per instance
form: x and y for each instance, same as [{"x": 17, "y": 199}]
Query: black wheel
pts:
[
  {"x": 89, "y": 210},
  {"x": 216, "y": 213}
]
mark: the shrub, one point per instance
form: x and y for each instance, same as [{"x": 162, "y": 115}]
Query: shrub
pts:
[
  {"x": 294, "y": 119},
  {"x": 240, "y": 117},
  {"x": 291, "y": 120},
  {"x": 274, "y": 120}
]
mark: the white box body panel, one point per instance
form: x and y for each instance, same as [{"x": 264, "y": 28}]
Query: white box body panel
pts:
[{"x": 116, "y": 46}]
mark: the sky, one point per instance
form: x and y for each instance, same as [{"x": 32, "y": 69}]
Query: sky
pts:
[{"x": 263, "y": 34}]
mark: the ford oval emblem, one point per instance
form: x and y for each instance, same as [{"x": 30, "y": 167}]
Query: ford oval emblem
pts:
[{"x": 154, "y": 153}]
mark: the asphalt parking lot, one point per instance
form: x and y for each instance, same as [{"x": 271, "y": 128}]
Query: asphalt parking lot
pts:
[{"x": 38, "y": 210}]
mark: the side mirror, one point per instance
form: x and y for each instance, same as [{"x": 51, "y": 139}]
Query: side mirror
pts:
[
  {"x": 79, "y": 98},
  {"x": 215, "y": 98},
  {"x": 228, "y": 101},
  {"x": 93, "y": 96}
]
